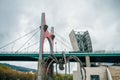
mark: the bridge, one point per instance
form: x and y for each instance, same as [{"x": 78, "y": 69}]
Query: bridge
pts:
[
  {"x": 81, "y": 43},
  {"x": 94, "y": 57}
]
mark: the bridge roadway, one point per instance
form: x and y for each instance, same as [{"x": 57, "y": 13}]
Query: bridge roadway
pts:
[{"x": 94, "y": 57}]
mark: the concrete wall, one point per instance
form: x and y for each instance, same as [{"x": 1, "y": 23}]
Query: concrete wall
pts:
[
  {"x": 115, "y": 72},
  {"x": 77, "y": 75},
  {"x": 73, "y": 41},
  {"x": 101, "y": 71}
]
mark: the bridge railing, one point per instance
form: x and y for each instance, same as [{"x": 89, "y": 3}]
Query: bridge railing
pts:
[{"x": 107, "y": 51}]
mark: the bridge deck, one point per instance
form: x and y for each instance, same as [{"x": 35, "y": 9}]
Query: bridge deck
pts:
[{"x": 94, "y": 57}]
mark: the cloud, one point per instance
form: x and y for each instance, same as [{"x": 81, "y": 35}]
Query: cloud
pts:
[
  {"x": 9, "y": 17},
  {"x": 100, "y": 17}
]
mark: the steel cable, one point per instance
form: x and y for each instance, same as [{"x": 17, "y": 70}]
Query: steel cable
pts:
[{"x": 18, "y": 38}]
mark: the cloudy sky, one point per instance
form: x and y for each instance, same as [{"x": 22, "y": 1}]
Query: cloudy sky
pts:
[{"x": 100, "y": 17}]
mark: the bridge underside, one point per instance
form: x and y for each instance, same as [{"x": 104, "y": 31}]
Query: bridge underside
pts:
[
  {"x": 105, "y": 58},
  {"x": 17, "y": 58}
]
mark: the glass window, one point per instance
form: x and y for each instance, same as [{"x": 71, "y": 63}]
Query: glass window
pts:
[{"x": 95, "y": 77}]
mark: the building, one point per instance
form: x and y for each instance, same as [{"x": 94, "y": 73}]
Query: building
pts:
[{"x": 81, "y": 42}]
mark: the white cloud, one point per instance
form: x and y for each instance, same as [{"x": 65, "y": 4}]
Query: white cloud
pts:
[{"x": 100, "y": 18}]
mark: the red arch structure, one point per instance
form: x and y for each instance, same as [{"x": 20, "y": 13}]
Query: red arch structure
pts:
[{"x": 45, "y": 34}]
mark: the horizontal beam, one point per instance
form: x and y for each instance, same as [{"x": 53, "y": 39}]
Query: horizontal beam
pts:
[{"x": 94, "y": 57}]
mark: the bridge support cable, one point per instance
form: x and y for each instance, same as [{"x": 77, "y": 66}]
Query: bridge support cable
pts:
[
  {"x": 36, "y": 49},
  {"x": 62, "y": 38},
  {"x": 27, "y": 41},
  {"x": 62, "y": 42},
  {"x": 18, "y": 38},
  {"x": 29, "y": 46}
]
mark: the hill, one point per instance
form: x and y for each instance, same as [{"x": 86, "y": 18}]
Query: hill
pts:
[
  {"x": 18, "y": 68},
  {"x": 7, "y": 73}
]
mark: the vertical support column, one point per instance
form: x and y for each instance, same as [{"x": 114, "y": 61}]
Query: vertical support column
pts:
[
  {"x": 39, "y": 74},
  {"x": 40, "y": 66},
  {"x": 51, "y": 69},
  {"x": 52, "y": 32},
  {"x": 87, "y": 58}
]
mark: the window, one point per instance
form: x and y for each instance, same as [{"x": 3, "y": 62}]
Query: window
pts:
[{"x": 95, "y": 77}]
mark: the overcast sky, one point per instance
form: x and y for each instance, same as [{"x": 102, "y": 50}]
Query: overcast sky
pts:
[{"x": 100, "y": 17}]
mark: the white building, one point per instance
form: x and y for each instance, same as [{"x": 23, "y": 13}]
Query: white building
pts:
[{"x": 81, "y": 42}]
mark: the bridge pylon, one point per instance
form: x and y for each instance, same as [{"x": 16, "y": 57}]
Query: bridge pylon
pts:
[{"x": 44, "y": 34}]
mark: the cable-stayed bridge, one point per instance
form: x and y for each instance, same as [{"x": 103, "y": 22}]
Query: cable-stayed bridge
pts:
[{"x": 81, "y": 43}]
